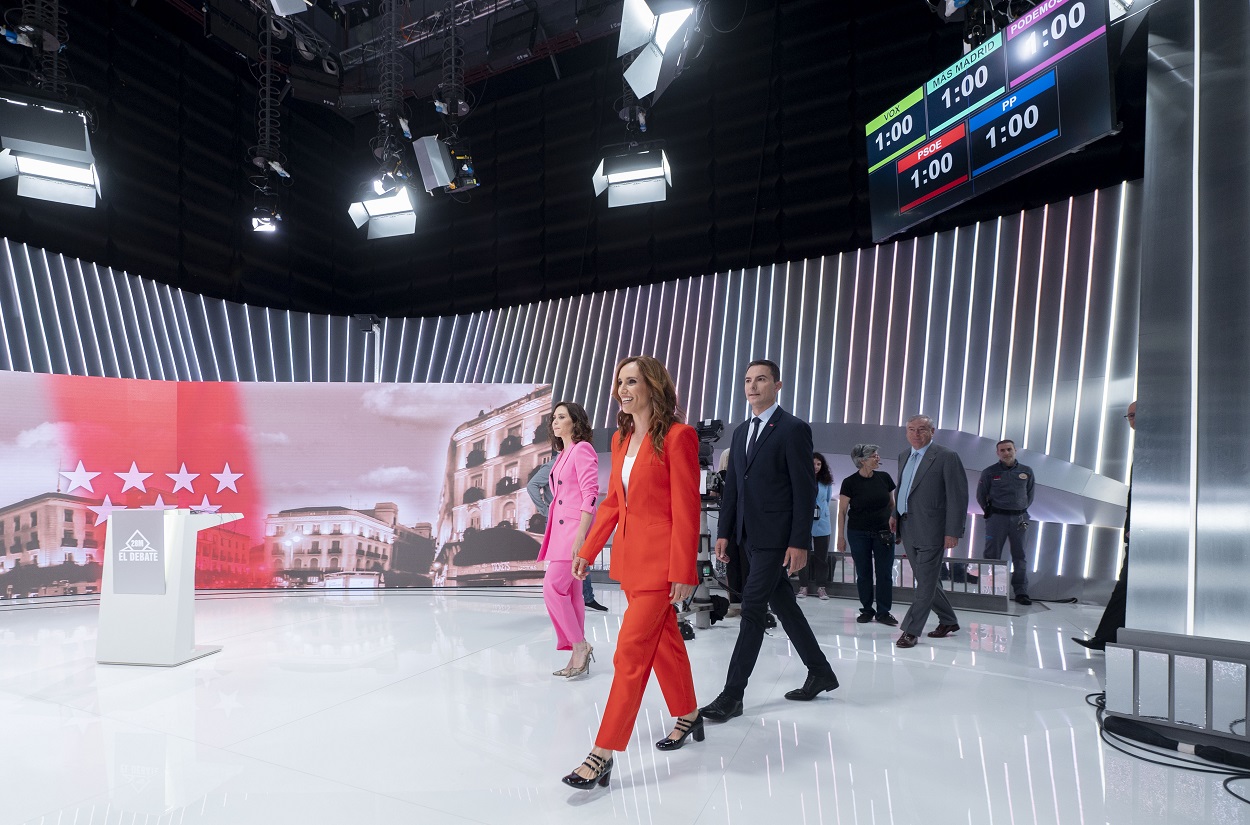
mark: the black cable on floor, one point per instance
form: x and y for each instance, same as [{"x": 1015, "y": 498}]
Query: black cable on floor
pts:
[
  {"x": 1233, "y": 793},
  {"x": 1121, "y": 744}
]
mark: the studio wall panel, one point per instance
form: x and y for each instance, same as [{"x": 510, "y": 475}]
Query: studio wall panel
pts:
[{"x": 1021, "y": 327}]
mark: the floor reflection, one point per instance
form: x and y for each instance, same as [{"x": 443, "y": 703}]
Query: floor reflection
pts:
[{"x": 441, "y": 707}]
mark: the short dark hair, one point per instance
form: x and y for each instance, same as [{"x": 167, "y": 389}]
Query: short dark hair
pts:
[
  {"x": 1004, "y": 441},
  {"x": 772, "y": 367}
]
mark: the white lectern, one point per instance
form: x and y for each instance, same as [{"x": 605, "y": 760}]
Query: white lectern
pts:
[{"x": 147, "y": 596}]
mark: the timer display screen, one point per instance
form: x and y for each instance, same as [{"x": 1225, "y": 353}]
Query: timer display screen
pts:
[
  {"x": 980, "y": 76},
  {"x": 935, "y": 168},
  {"x": 898, "y": 129},
  {"x": 1036, "y": 90},
  {"x": 1049, "y": 32},
  {"x": 1020, "y": 122}
]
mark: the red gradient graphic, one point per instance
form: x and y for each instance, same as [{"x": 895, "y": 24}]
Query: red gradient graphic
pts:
[{"x": 138, "y": 435}]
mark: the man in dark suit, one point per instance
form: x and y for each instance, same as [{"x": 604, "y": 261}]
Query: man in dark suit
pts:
[
  {"x": 767, "y": 506},
  {"x": 928, "y": 519},
  {"x": 1114, "y": 616}
]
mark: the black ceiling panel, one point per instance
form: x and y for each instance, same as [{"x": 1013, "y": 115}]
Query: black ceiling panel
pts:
[{"x": 764, "y": 131}]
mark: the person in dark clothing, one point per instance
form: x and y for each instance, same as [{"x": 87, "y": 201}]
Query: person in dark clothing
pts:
[
  {"x": 865, "y": 502},
  {"x": 770, "y": 494},
  {"x": 818, "y": 568},
  {"x": 1113, "y": 614},
  {"x": 1005, "y": 492}
]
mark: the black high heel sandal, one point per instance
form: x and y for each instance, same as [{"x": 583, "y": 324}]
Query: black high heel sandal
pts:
[
  {"x": 686, "y": 728},
  {"x": 602, "y": 769}
]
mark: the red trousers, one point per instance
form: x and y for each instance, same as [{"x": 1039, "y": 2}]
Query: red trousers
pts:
[{"x": 649, "y": 640}]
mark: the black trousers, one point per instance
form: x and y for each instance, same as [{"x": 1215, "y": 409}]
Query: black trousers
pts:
[
  {"x": 872, "y": 555},
  {"x": 1113, "y": 615},
  {"x": 768, "y": 585},
  {"x": 736, "y": 571},
  {"x": 817, "y": 570}
]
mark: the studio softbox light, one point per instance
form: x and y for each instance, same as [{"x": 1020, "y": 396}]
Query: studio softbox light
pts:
[
  {"x": 639, "y": 176},
  {"x": 49, "y": 150}
]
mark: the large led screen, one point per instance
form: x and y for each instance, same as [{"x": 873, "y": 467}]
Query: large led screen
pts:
[{"x": 340, "y": 485}]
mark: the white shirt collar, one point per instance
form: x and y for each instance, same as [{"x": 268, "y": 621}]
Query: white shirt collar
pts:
[{"x": 767, "y": 414}]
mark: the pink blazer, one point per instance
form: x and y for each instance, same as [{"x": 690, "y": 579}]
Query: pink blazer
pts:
[{"x": 574, "y": 490}]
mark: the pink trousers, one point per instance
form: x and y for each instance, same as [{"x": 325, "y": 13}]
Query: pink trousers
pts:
[{"x": 563, "y": 596}]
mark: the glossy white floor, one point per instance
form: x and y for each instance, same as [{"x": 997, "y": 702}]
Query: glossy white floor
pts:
[{"x": 433, "y": 708}]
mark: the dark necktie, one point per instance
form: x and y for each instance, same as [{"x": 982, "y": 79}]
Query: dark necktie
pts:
[{"x": 755, "y": 432}]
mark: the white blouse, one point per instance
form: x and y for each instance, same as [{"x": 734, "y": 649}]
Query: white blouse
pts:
[{"x": 627, "y": 466}]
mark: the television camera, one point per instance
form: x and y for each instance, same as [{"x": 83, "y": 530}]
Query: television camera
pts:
[{"x": 703, "y": 609}]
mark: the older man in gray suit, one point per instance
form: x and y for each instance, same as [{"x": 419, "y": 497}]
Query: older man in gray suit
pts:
[{"x": 928, "y": 520}]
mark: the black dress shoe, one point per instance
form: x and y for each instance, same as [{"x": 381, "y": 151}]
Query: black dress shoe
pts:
[
  {"x": 600, "y": 773},
  {"x": 722, "y": 709},
  {"x": 685, "y": 728},
  {"x": 865, "y": 615},
  {"x": 816, "y": 684},
  {"x": 1092, "y": 644},
  {"x": 1023, "y": 598},
  {"x": 886, "y": 618},
  {"x": 594, "y": 605},
  {"x": 942, "y": 631},
  {"x": 906, "y": 640}
]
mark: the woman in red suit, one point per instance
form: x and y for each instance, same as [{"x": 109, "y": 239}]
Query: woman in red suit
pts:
[{"x": 653, "y": 505}]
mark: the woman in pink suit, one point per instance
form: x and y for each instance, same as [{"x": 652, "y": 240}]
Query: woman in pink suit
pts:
[{"x": 574, "y": 487}]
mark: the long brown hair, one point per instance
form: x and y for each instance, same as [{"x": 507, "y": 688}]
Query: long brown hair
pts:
[
  {"x": 582, "y": 430},
  {"x": 664, "y": 409}
]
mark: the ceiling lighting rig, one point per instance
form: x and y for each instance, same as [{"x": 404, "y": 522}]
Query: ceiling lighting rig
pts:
[
  {"x": 982, "y": 19},
  {"x": 658, "y": 32},
  {"x": 657, "y": 41},
  {"x": 385, "y": 204},
  {"x": 45, "y": 139},
  {"x": 267, "y": 163},
  {"x": 447, "y": 163},
  {"x": 285, "y": 8}
]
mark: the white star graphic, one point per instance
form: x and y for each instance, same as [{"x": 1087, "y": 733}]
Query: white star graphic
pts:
[
  {"x": 79, "y": 477},
  {"x": 205, "y": 507},
  {"x": 182, "y": 479},
  {"x": 159, "y": 504},
  {"x": 103, "y": 511},
  {"x": 134, "y": 479},
  {"x": 226, "y": 479},
  {"x": 206, "y": 674},
  {"x": 228, "y": 701},
  {"x": 80, "y": 720}
]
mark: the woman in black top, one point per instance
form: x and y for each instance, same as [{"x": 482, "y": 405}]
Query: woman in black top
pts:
[{"x": 865, "y": 503}]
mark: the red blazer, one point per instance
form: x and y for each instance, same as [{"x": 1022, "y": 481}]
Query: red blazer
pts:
[{"x": 657, "y": 522}]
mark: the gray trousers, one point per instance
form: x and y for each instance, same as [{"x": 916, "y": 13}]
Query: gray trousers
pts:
[
  {"x": 926, "y": 567},
  {"x": 1007, "y": 528}
]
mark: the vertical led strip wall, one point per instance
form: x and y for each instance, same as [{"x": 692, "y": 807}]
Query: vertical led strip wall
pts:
[{"x": 826, "y": 316}]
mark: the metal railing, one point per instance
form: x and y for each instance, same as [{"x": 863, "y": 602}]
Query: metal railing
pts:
[
  {"x": 970, "y": 584},
  {"x": 1184, "y": 683}
]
